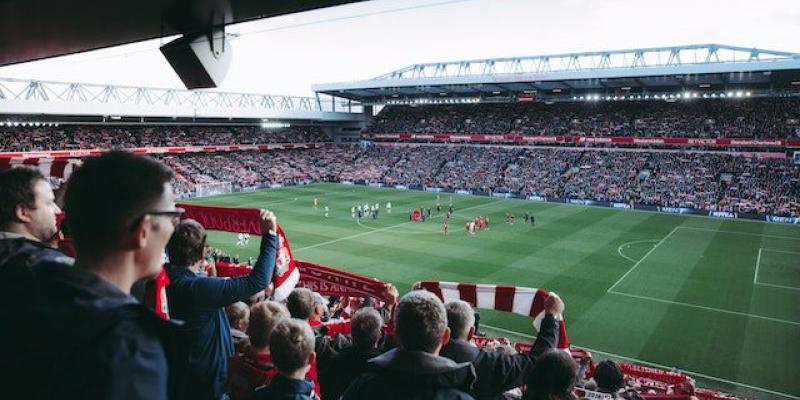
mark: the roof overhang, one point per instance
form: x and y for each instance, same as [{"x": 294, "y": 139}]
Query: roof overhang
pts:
[{"x": 37, "y": 29}]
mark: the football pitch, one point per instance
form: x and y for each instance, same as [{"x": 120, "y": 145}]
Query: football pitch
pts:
[{"x": 716, "y": 298}]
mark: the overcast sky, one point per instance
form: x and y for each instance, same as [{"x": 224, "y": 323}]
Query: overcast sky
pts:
[{"x": 285, "y": 55}]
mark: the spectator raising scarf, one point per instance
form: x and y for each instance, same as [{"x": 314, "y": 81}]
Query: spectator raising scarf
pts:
[
  {"x": 514, "y": 299},
  {"x": 245, "y": 220}
]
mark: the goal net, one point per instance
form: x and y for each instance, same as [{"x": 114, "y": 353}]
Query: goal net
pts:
[{"x": 210, "y": 189}]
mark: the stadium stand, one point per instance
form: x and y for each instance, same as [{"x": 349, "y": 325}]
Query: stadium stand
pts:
[
  {"x": 776, "y": 118},
  {"x": 105, "y": 137},
  {"x": 715, "y": 181}
]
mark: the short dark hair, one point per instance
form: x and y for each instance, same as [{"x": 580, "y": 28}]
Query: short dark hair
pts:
[
  {"x": 107, "y": 194},
  {"x": 366, "y": 328},
  {"x": 16, "y": 187},
  {"x": 300, "y": 303},
  {"x": 290, "y": 344},
  {"x": 420, "y": 321},
  {"x": 609, "y": 376},
  {"x": 460, "y": 317},
  {"x": 553, "y": 376},
  {"x": 187, "y": 243}
]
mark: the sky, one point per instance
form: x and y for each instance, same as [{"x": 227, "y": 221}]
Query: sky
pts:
[{"x": 286, "y": 55}]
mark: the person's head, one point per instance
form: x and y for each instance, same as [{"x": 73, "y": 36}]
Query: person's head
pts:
[
  {"x": 186, "y": 246},
  {"x": 460, "y": 319},
  {"x": 238, "y": 315},
  {"x": 366, "y": 328},
  {"x": 292, "y": 346},
  {"x": 320, "y": 307},
  {"x": 300, "y": 303},
  {"x": 264, "y": 317},
  {"x": 367, "y": 302},
  {"x": 121, "y": 204},
  {"x": 421, "y": 322},
  {"x": 553, "y": 376},
  {"x": 27, "y": 204},
  {"x": 609, "y": 376},
  {"x": 354, "y": 303}
]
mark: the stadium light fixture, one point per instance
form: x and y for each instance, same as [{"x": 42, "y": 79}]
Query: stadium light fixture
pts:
[
  {"x": 747, "y": 94},
  {"x": 739, "y": 93},
  {"x": 730, "y": 94},
  {"x": 647, "y": 97},
  {"x": 597, "y": 97}
]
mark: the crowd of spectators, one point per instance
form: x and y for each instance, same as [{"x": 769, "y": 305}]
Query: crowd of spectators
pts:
[
  {"x": 703, "y": 180},
  {"x": 89, "y": 337},
  {"x": 67, "y": 137},
  {"x": 696, "y": 118}
]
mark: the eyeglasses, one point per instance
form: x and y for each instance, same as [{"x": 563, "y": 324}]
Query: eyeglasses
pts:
[{"x": 174, "y": 215}]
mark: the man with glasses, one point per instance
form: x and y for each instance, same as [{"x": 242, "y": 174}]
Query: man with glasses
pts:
[
  {"x": 78, "y": 334},
  {"x": 205, "y": 342}
]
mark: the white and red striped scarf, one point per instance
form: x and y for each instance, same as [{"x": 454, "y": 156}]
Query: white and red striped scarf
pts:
[{"x": 513, "y": 299}]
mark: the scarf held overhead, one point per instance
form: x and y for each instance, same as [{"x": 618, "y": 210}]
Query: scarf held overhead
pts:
[{"x": 514, "y": 299}]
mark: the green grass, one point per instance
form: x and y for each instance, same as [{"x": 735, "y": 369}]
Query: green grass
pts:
[{"x": 673, "y": 290}]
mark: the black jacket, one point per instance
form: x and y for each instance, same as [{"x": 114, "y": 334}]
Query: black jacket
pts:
[
  {"x": 283, "y": 388},
  {"x": 16, "y": 249},
  {"x": 17, "y": 255},
  {"x": 77, "y": 336},
  {"x": 498, "y": 372},
  {"x": 412, "y": 375},
  {"x": 205, "y": 342},
  {"x": 343, "y": 369}
]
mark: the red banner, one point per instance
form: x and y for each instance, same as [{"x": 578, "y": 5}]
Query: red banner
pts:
[
  {"x": 511, "y": 138},
  {"x": 330, "y": 281},
  {"x": 157, "y": 150}
]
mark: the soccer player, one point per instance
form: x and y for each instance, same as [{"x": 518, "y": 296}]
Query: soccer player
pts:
[
  {"x": 533, "y": 221},
  {"x": 240, "y": 240},
  {"x": 246, "y": 239},
  {"x": 326, "y": 211},
  {"x": 352, "y": 212},
  {"x": 388, "y": 207},
  {"x": 445, "y": 227},
  {"x": 316, "y": 202}
]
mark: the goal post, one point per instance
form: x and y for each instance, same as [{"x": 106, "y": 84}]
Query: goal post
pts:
[{"x": 214, "y": 188}]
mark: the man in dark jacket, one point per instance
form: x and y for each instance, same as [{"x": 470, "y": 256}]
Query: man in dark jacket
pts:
[
  {"x": 415, "y": 371},
  {"x": 205, "y": 343},
  {"x": 366, "y": 329},
  {"x": 496, "y": 372},
  {"x": 84, "y": 335},
  {"x": 27, "y": 219}
]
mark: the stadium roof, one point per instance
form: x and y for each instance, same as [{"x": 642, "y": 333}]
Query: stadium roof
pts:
[
  {"x": 705, "y": 67},
  {"x": 21, "y": 97},
  {"x": 36, "y": 29}
]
